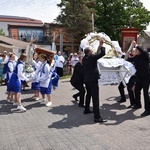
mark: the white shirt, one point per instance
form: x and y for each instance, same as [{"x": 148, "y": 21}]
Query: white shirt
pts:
[
  {"x": 36, "y": 73},
  {"x": 21, "y": 74},
  {"x": 74, "y": 60},
  {"x": 37, "y": 64},
  {"x": 53, "y": 66},
  {"x": 6, "y": 59},
  {"x": 11, "y": 66},
  {"x": 59, "y": 61},
  {"x": 45, "y": 75},
  {"x": 16, "y": 58}
]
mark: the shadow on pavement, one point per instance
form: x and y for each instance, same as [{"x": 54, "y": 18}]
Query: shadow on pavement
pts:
[
  {"x": 5, "y": 107},
  {"x": 72, "y": 117},
  {"x": 28, "y": 100},
  {"x": 27, "y": 91},
  {"x": 114, "y": 114},
  {"x": 34, "y": 105},
  {"x": 8, "y": 108},
  {"x": 116, "y": 98}
]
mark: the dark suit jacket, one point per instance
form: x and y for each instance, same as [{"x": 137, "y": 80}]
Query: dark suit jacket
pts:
[
  {"x": 141, "y": 63},
  {"x": 91, "y": 72},
  {"x": 78, "y": 76}
]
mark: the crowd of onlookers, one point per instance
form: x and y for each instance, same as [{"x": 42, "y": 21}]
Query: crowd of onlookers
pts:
[
  {"x": 4, "y": 57},
  {"x": 63, "y": 64},
  {"x": 72, "y": 60}
]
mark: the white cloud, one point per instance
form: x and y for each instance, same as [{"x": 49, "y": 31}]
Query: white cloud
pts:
[
  {"x": 45, "y": 10},
  {"x": 146, "y": 4}
]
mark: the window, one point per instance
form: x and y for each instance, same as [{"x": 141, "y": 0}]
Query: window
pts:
[{"x": 26, "y": 34}]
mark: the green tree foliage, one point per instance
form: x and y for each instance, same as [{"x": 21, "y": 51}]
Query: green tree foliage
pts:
[
  {"x": 76, "y": 17},
  {"x": 112, "y": 15},
  {"x": 2, "y": 32}
]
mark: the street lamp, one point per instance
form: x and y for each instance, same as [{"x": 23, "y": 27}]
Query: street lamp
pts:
[
  {"x": 61, "y": 41},
  {"x": 92, "y": 21}
]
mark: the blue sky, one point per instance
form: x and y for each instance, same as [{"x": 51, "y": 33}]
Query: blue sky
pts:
[{"x": 45, "y": 10}]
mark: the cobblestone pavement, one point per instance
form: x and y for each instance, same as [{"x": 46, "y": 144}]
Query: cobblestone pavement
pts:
[{"x": 64, "y": 126}]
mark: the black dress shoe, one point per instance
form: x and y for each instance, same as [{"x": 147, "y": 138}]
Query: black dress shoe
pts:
[
  {"x": 136, "y": 107},
  {"x": 145, "y": 113},
  {"x": 100, "y": 120},
  {"x": 81, "y": 105},
  {"x": 88, "y": 112},
  {"x": 75, "y": 97},
  {"x": 121, "y": 100}
]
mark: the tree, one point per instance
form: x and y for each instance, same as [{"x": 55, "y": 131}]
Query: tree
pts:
[
  {"x": 112, "y": 15},
  {"x": 2, "y": 32},
  {"x": 76, "y": 17}
]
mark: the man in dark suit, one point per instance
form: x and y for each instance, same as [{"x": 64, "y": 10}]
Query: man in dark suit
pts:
[
  {"x": 141, "y": 62},
  {"x": 77, "y": 80},
  {"x": 91, "y": 76}
]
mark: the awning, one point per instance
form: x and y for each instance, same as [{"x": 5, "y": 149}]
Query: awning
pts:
[
  {"x": 16, "y": 43},
  {"x": 4, "y": 47}
]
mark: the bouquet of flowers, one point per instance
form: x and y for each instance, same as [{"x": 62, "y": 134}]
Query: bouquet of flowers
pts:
[{"x": 29, "y": 68}]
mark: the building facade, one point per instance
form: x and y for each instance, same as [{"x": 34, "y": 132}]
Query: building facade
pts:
[
  {"x": 13, "y": 26},
  {"x": 144, "y": 39},
  {"x": 46, "y": 34},
  {"x": 26, "y": 32},
  {"x": 62, "y": 38}
]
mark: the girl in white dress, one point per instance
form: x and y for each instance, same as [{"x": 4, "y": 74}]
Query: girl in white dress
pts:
[{"x": 45, "y": 80}]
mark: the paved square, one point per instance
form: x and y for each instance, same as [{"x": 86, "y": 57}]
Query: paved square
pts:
[{"x": 64, "y": 126}]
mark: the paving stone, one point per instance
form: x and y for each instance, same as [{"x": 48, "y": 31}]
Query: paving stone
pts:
[{"x": 64, "y": 126}]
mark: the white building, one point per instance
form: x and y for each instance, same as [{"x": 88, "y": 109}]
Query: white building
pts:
[{"x": 144, "y": 39}]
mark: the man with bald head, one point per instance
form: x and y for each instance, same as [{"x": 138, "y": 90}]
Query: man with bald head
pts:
[{"x": 91, "y": 76}]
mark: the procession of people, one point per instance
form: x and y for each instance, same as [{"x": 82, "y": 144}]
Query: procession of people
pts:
[
  {"x": 42, "y": 75},
  {"x": 84, "y": 77}
]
